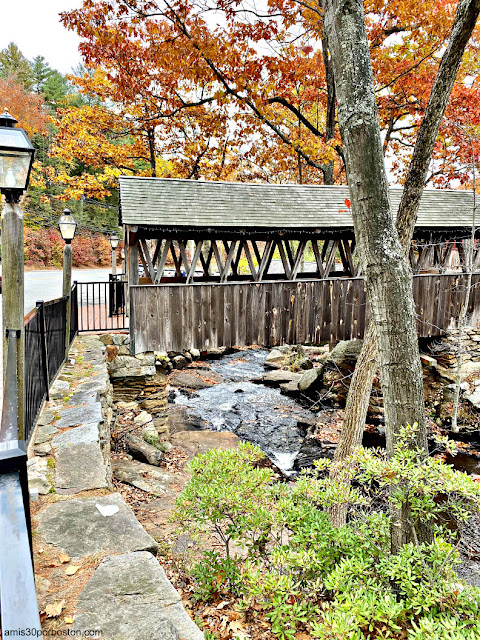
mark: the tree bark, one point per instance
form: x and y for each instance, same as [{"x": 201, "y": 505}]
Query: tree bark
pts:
[{"x": 361, "y": 384}]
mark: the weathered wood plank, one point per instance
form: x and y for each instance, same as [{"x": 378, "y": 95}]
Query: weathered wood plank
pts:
[{"x": 176, "y": 317}]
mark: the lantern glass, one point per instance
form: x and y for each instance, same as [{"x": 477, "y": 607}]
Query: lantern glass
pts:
[
  {"x": 67, "y": 226},
  {"x": 16, "y": 158},
  {"x": 114, "y": 240}
]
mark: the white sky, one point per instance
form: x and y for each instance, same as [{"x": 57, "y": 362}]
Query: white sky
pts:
[{"x": 34, "y": 26}]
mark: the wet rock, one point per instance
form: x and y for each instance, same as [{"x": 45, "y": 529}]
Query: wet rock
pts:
[
  {"x": 196, "y": 379},
  {"x": 275, "y": 378},
  {"x": 216, "y": 352},
  {"x": 142, "y": 450},
  {"x": 197, "y": 442},
  {"x": 289, "y": 388},
  {"x": 129, "y": 596},
  {"x": 311, "y": 380},
  {"x": 310, "y": 451},
  {"x": 179, "y": 419},
  {"x": 79, "y": 529}
]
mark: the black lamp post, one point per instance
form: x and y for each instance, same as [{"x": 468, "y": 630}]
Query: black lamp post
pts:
[
  {"x": 114, "y": 241},
  {"x": 67, "y": 226},
  {"x": 16, "y": 159}
]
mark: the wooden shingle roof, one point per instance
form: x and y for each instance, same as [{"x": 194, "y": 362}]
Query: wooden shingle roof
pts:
[{"x": 176, "y": 203}]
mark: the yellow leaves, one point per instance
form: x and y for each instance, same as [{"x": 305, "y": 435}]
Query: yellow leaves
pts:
[{"x": 63, "y": 558}]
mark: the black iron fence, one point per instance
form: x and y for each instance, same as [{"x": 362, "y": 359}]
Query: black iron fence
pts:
[
  {"x": 102, "y": 305},
  {"x": 45, "y": 349},
  {"x": 18, "y": 601}
]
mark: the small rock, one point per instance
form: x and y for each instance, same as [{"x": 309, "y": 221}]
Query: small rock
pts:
[
  {"x": 42, "y": 449},
  {"x": 179, "y": 362},
  {"x": 275, "y": 359},
  {"x": 142, "y": 418},
  {"x": 195, "y": 353},
  {"x": 143, "y": 451},
  {"x": 37, "y": 469}
]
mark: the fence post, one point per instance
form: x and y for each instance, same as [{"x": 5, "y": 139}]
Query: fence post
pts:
[{"x": 43, "y": 338}]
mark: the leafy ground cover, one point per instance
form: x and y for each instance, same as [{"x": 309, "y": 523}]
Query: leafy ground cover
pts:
[{"x": 277, "y": 568}]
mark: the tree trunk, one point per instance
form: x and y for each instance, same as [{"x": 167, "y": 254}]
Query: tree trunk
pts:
[
  {"x": 387, "y": 272},
  {"x": 361, "y": 384}
]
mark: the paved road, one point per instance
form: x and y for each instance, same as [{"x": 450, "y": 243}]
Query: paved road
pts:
[{"x": 47, "y": 285}]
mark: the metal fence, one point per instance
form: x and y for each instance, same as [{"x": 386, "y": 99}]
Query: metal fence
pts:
[
  {"x": 45, "y": 331},
  {"x": 102, "y": 305},
  {"x": 18, "y": 601}
]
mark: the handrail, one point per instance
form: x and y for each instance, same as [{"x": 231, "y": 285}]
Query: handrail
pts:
[{"x": 18, "y": 600}]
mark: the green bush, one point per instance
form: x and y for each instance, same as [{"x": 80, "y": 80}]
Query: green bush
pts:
[{"x": 278, "y": 553}]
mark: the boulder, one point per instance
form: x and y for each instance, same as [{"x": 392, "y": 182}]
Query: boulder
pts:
[
  {"x": 345, "y": 354},
  {"x": 276, "y": 378},
  {"x": 196, "y": 442},
  {"x": 311, "y": 380},
  {"x": 179, "y": 362}
]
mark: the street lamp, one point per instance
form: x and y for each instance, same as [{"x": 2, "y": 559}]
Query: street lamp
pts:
[
  {"x": 16, "y": 159},
  {"x": 114, "y": 240},
  {"x": 67, "y": 226}
]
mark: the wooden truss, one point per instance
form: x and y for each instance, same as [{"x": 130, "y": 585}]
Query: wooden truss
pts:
[{"x": 226, "y": 260}]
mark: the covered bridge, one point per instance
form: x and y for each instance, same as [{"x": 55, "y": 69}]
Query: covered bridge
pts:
[{"x": 241, "y": 263}]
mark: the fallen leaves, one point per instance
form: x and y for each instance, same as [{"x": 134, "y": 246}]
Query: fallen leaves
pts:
[
  {"x": 71, "y": 570},
  {"x": 55, "y": 609}
]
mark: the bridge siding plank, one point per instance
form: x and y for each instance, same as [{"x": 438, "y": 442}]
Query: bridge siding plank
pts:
[{"x": 178, "y": 317}]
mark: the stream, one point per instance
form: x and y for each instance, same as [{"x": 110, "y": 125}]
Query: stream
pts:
[{"x": 254, "y": 412}]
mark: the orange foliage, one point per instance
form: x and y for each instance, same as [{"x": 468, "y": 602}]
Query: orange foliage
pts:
[
  {"x": 44, "y": 248},
  {"x": 26, "y": 107},
  {"x": 226, "y": 90}
]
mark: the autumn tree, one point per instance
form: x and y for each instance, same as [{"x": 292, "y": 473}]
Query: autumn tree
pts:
[
  {"x": 384, "y": 260},
  {"x": 270, "y": 70}
]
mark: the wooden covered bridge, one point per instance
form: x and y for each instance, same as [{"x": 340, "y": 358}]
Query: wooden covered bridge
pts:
[{"x": 238, "y": 264}]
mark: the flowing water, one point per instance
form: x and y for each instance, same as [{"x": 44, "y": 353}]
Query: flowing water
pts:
[{"x": 254, "y": 412}]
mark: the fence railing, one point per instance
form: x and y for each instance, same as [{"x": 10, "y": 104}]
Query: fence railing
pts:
[
  {"x": 18, "y": 601},
  {"x": 45, "y": 334},
  {"x": 101, "y": 305}
]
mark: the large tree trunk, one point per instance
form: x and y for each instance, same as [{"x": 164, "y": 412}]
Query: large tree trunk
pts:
[
  {"x": 387, "y": 272},
  {"x": 361, "y": 384}
]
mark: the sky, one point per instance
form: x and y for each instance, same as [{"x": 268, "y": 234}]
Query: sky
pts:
[{"x": 34, "y": 26}]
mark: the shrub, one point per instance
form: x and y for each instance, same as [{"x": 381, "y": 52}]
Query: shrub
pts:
[{"x": 304, "y": 574}]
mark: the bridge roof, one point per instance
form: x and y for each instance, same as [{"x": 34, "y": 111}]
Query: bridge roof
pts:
[{"x": 179, "y": 204}]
